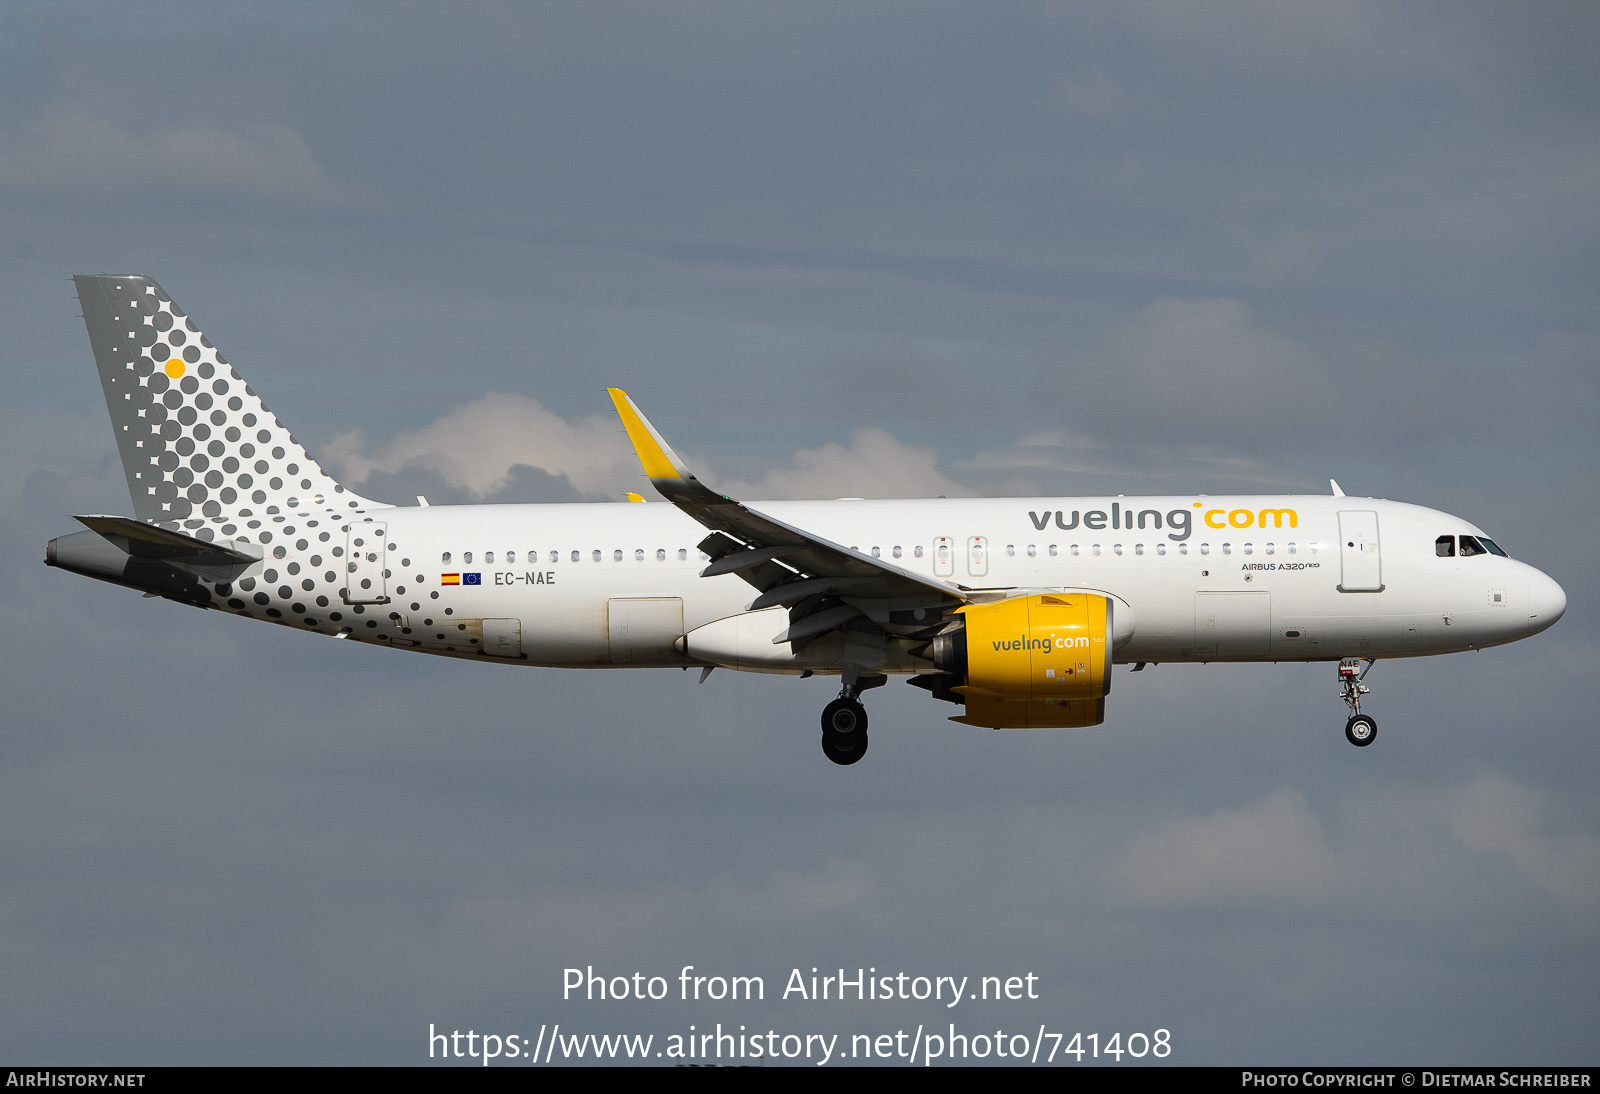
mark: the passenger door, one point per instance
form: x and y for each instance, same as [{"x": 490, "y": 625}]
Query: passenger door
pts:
[
  {"x": 1361, "y": 567},
  {"x": 365, "y": 559}
]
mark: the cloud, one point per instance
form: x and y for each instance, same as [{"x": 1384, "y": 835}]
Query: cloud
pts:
[
  {"x": 69, "y": 150},
  {"x": 1271, "y": 851},
  {"x": 479, "y": 450},
  {"x": 1190, "y": 371},
  {"x": 1094, "y": 95},
  {"x": 1279, "y": 853},
  {"x": 1335, "y": 38},
  {"x": 510, "y": 448},
  {"x": 873, "y": 465},
  {"x": 1493, "y": 815},
  {"x": 1059, "y": 453}
]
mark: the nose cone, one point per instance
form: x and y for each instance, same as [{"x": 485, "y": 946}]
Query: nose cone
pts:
[{"x": 1547, "y": 602}]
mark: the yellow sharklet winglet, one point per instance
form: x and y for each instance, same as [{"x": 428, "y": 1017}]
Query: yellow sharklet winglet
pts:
[{"x": 659, "y": 461}]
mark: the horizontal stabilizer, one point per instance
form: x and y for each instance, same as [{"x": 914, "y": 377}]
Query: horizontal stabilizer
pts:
[{"x": 215, "y": 561}]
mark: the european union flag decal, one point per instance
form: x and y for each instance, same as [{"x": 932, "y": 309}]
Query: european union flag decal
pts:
[{"x": 472, "y": 579}]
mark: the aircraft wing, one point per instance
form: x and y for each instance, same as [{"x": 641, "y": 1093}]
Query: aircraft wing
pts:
[{"x": 825, "y": 584}]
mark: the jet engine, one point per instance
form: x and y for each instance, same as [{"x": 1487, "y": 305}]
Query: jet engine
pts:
[{"x": 1027, "y": 662}]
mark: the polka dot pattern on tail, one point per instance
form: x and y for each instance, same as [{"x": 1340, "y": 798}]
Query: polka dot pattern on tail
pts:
[{"x": 172, "y": 395}]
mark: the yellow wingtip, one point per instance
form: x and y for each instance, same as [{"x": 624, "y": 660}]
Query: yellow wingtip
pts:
[{"x": 652, "y": 455}]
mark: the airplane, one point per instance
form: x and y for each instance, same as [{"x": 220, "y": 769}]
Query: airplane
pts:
[{"x": 1012, "y": 609}]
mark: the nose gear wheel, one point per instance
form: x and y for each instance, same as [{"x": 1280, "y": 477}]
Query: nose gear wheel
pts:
[{"x": 1361, "y": 730}]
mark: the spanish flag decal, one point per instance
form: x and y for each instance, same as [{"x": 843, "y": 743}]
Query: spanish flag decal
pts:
[{"x": 449, "y": 579}]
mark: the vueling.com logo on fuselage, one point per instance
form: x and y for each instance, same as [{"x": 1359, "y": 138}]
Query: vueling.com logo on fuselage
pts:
[
  {"x": 1179, "y": 520},
  {"x": 1044, "y": 645},
  {"x": 1249, "y": 518}
]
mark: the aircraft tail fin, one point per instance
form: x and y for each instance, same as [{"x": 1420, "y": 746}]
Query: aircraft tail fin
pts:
[{"x": 198, "y": 446}]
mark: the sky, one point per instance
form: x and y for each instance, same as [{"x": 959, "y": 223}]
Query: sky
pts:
[{"x": 832, "y": 250}]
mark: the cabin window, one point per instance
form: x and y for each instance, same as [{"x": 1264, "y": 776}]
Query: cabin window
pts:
[
  {"x": 616, "y": 556},
  {"x": 1138, "y": 548},
  {"x": 1011, "y": 550},
  {"x": 1161, "y": 548},
  {"x": 917, "y": 551},
  {"x": 876, "y": 553},
  {"x": 1183, "y": 548},
  {"x": 1118, "y": 550},
  {"x": 1249, "y": 548},
  {"x": 896, "y": 552},
  {"x": 466, "y": 557},
  {"x": 1227, "y": 548},
  {"x": 1290, "y": 548},
  {"x": 1445, "y": 546},
  {"x": 1096, "y": 549},
  {"x": 511, "y": 556},
  {"x": 1032, "y": 551},
  {"x": 1270, "y": 548},
  {"x": 555, "y": 556},
  {"x": 1074, "y": 549},
  {"x": 1205, "y": 548},
  {"x": 575, "y": 556},
  {"x": 1052, "y": 550},
  {"x": 661, "y": 554},
  {"x": 682, "y": 554},
  {"x": 488, "y": 557},
  {"x": 638, "y": 555}
]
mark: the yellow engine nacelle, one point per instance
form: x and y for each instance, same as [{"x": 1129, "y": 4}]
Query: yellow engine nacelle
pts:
[{"x": 1031, "y": 662}]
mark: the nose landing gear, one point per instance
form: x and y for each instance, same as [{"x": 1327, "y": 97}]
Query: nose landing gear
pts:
[{"x": 1361, "y": 730}]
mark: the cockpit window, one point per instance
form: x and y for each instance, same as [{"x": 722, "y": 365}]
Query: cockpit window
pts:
[
  {"x": 1445, "y": 546},
  {"x": 1470, "y": 546},
  {"x": 1494, "y": 548}
]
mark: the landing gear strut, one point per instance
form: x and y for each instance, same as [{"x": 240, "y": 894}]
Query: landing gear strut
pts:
[{"x": 1361, "y": 730}]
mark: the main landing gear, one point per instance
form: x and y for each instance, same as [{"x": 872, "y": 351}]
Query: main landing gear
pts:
[
  {"x": 844, "y": 722},
  {"x": 1360, "y": 730},
  {"x": 844, "y": 730}
]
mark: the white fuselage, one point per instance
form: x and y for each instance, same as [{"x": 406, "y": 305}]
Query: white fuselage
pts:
[{"x": 616, "y": 585}]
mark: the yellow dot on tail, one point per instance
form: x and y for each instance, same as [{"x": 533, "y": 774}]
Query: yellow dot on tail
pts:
[{"x": 174, "y": 368}]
